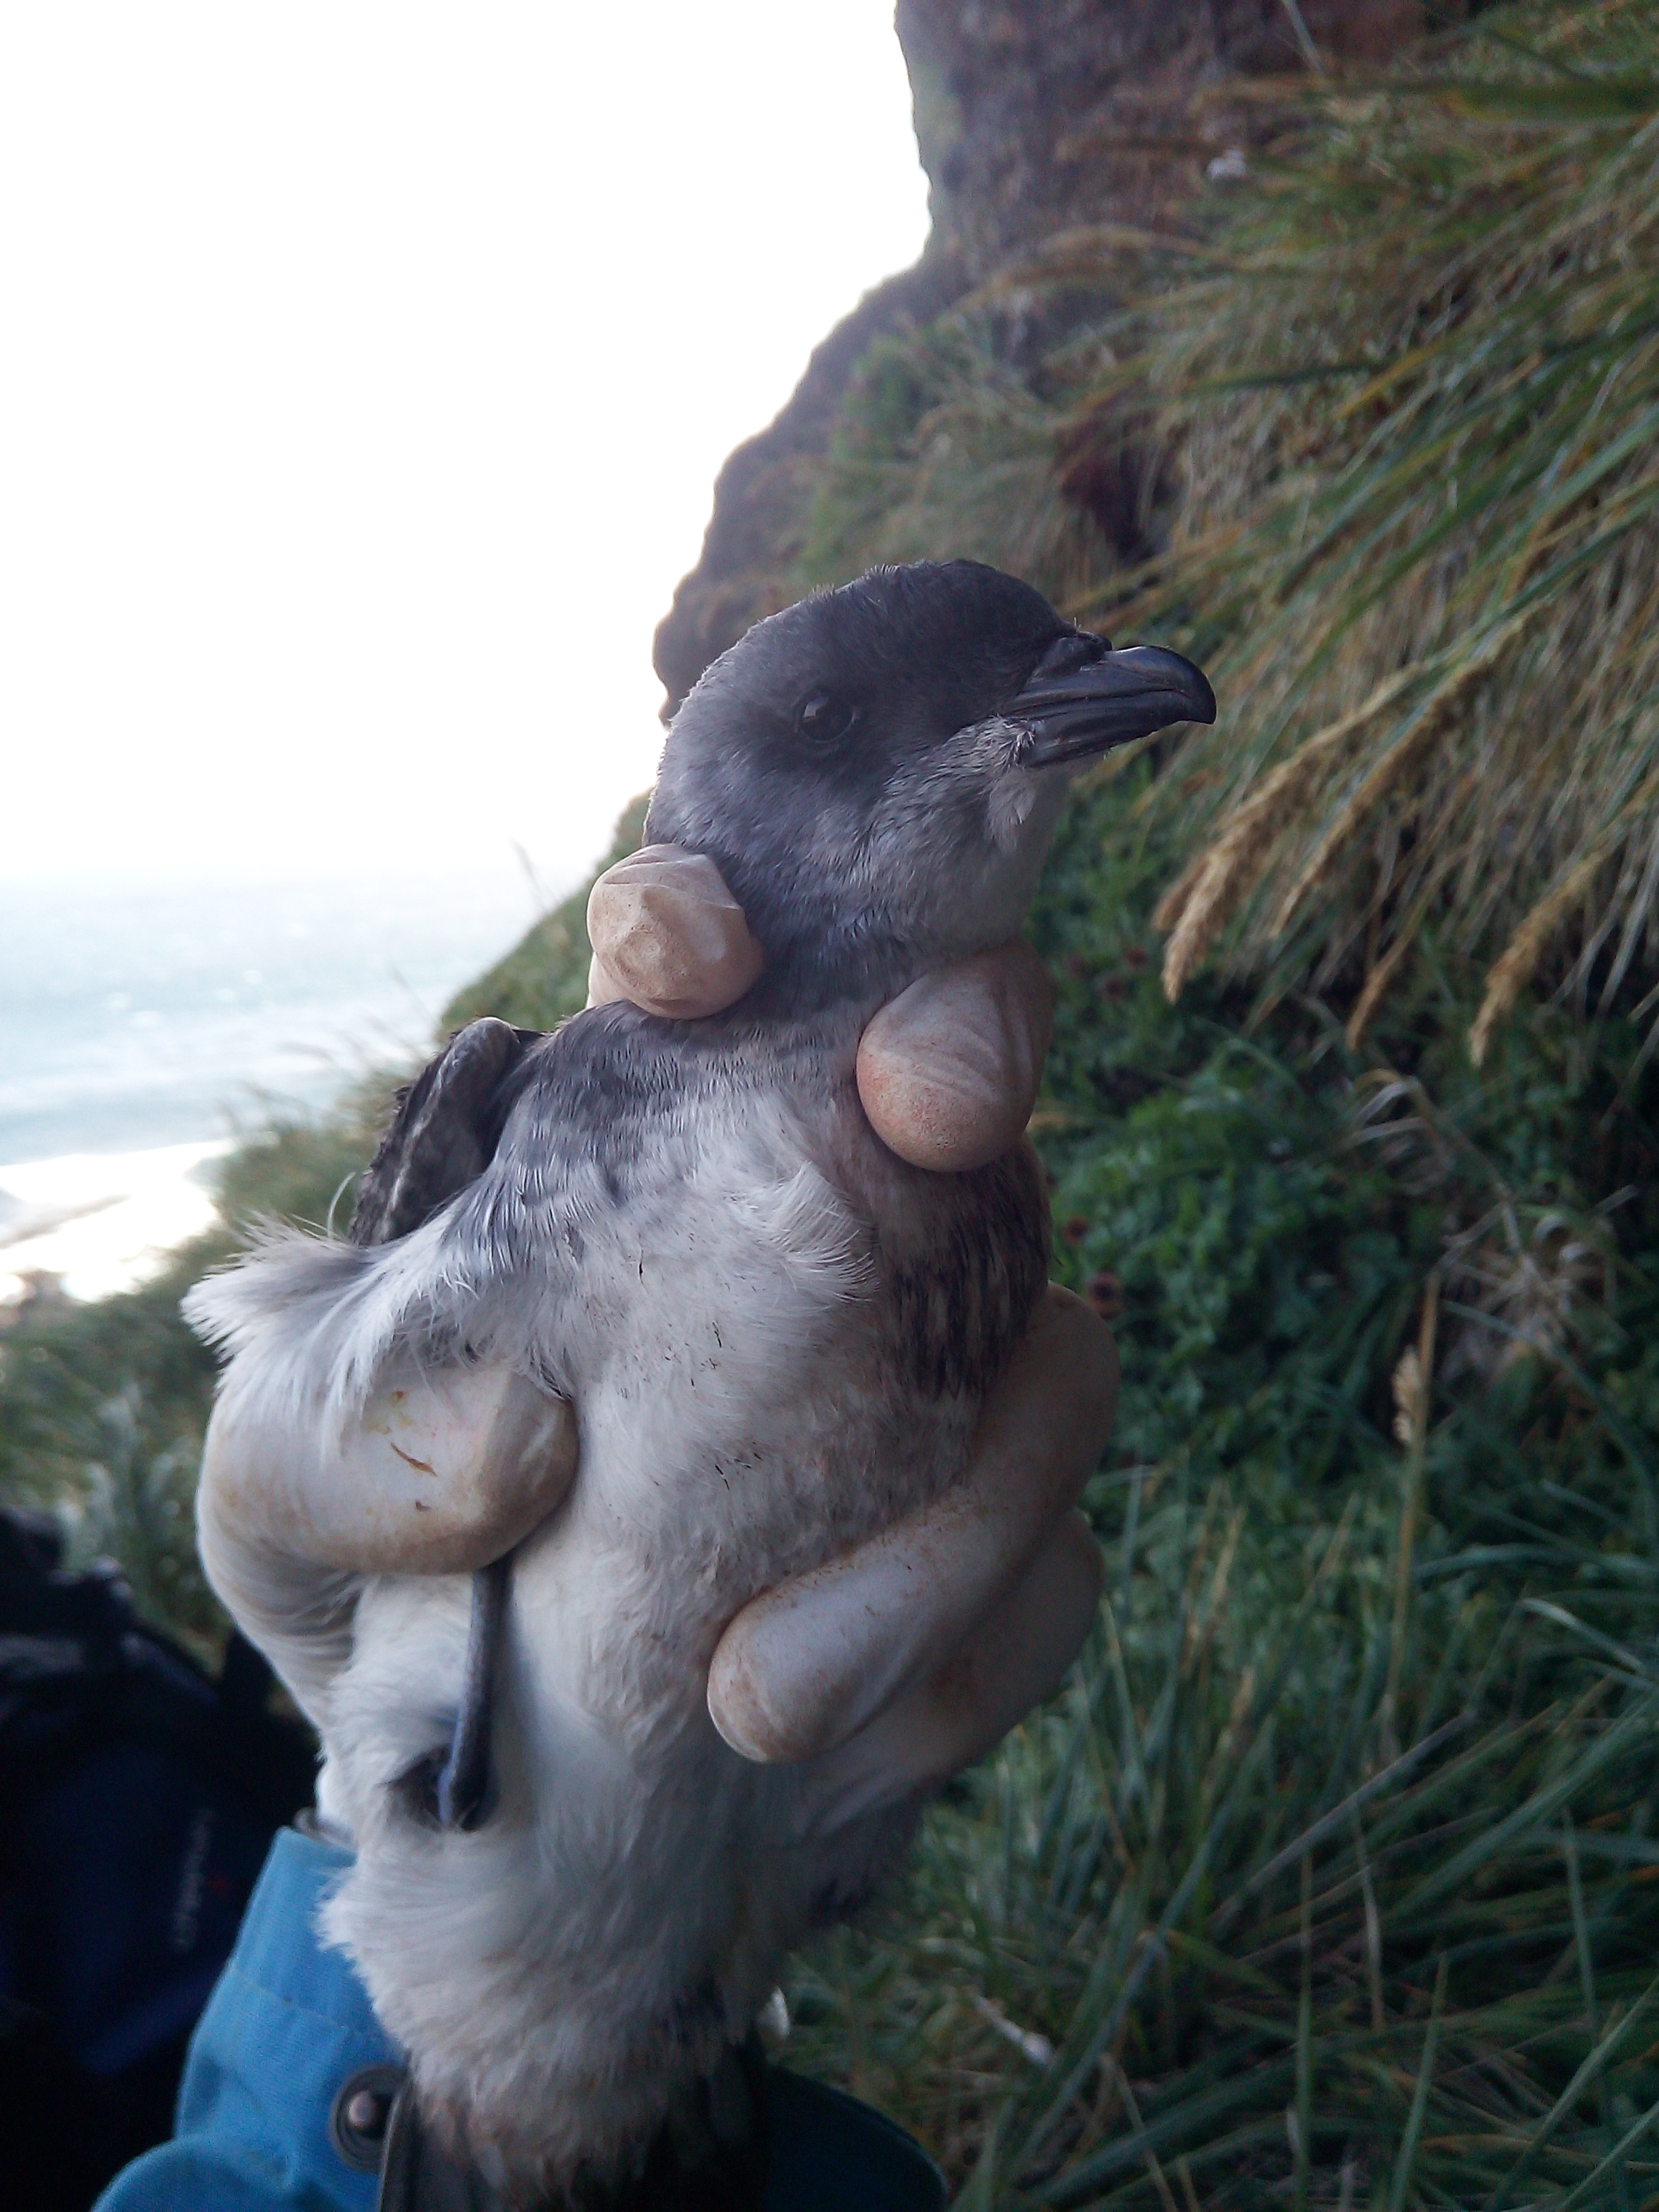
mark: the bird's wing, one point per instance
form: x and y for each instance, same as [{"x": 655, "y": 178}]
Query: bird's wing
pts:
[{"x": 444, "y": 1132}]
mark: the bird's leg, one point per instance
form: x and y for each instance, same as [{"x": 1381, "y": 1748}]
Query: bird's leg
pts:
[{"x": 465, "y": 1781}]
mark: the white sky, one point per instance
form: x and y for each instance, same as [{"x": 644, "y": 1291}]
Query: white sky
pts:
[{"x": 367, "y": 368}]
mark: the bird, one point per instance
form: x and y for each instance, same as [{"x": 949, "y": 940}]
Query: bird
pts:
[{"x": 571, "y": 1896}]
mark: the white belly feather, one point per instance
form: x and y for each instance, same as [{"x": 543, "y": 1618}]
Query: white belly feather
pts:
[{"x": 623, "y": 1914}]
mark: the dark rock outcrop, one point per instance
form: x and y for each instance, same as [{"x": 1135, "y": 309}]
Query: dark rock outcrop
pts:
[
  {"x": 1032, "y": 117},
  {"x": 761, "y": 495}
]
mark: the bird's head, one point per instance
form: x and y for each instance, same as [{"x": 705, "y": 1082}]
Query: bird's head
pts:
[{"x": 877, "y": 770}]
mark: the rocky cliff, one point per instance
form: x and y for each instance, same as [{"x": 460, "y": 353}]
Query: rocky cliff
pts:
[{"x": 1033, "y": 118}]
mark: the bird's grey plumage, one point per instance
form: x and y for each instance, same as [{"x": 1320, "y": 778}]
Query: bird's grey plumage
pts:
[{"x": 776, "y": 1337}]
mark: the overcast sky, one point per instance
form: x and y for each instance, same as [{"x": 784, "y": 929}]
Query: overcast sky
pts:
[{"x": 367, "y": 368}]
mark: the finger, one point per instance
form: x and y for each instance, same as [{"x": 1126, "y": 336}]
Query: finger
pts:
[
  {"x": 948, "y": 1071},
  {"x": 1015, "y": 1659},
  {"x": 299, "y": 1615},
  {"x": 441, "y": 1474},
  {"x": 806, "y": 1665},
  {"x": 667, "y": 934}
]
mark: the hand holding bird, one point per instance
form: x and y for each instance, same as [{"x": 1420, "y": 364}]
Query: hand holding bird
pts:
[
  {"x": 448, "y": 1474},
  {"x": 820, "y": 1546}
]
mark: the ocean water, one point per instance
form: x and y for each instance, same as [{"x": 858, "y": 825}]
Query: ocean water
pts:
[
  {"x": 159, "y": 1015},
  {"x": 141, "y": 1025}
]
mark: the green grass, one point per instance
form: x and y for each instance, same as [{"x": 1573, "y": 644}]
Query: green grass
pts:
[
  {"x": 1318, "y": 1569},
  {"x": 1286, "y": 1940}
]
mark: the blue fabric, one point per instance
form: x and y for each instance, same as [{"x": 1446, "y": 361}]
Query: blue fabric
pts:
[
  {"x": 288, "y": 2021},
  {"x": 286, "y": 2024}
]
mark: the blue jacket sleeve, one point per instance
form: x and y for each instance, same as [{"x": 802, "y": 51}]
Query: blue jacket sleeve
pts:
[
  {"x": 289, "y": 2029},
  {"x": 287, "y": 2026}
]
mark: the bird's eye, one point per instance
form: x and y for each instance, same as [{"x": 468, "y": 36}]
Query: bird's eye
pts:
[{"x": 822, "y": 717}]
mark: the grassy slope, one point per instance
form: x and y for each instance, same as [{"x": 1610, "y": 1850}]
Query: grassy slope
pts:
[
  {"x": 1383, "y": 1486},
  {"x": 1316, "y": 1566}
]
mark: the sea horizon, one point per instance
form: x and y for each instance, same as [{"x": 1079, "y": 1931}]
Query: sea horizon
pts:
[
  {"x": 145, "y": 1026},
  {"x": 141, "y": 1014}
]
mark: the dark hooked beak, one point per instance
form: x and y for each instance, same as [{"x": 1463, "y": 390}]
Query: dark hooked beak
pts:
[{"x": 1073, "y": 706}]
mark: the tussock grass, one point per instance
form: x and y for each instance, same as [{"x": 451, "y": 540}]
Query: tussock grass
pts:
[
  {"x": 1331, "y": 1881},
  {"x": 1417, "y": 432},
  {"x": 1377, "y": 439},
  {"x": 1254, "y": 1918}
]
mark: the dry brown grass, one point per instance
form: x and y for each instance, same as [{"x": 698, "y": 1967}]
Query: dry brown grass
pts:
[{"x": 1416, "y": 430}]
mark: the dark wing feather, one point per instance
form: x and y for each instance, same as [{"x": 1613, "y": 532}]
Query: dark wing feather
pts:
[{"x": 443, "y": 1133}]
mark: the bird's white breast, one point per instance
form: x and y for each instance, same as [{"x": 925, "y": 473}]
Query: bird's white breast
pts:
[
  {"x": 739, "y": 1423},
  {"x": 742, "y": 1418}
]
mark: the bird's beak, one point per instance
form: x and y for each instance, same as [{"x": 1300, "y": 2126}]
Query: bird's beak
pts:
[{"x": 1071, "y": 713}]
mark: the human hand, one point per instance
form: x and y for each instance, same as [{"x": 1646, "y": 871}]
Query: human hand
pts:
[
  {"x": 668, "y": 935},
  {"x": 947, "y": 1071},
  {"x": 907, "y": 1659},
  {"x": 442, "y": 1471},
  {"x": 448, "y": 1470}
]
